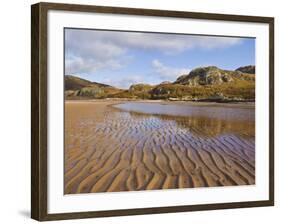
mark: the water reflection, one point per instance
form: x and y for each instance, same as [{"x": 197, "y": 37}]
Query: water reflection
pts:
[
  {"x": 200, "y": 121},
  {"x": 237, "y": 112},
  {"x": 204, "y": 126}
]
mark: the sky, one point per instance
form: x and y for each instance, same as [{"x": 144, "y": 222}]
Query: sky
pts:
[{"x": 121, "y": 58}]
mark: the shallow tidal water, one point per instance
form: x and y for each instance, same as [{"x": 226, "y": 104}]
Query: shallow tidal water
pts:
[{"x": 211, "y": 118}]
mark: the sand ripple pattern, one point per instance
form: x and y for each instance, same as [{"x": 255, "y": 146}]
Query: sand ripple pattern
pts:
[{"x": 107, "y": 150}]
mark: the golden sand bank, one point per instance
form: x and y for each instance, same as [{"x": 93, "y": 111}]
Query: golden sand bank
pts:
[{"x": 109, "y": 150}]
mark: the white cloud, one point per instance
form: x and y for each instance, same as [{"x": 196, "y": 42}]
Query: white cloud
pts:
[
  {"x": 155, "y": 41},
  {"x": 172, "y": 44},
  {"x": 76, "y": 65},
  {"x": 87, "y": 54},
  {"x": 91, "y": 50},
  {"x": 166, "y": 72}
]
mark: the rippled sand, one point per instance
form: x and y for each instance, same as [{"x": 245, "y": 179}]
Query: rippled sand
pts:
[{"x": 108, "y": 149}]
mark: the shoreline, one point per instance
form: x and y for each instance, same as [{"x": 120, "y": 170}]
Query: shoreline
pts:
[{"x": 114, "y": 101}]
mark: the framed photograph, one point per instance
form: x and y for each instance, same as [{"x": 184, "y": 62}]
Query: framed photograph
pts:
[{"x": 140, "y": 111}]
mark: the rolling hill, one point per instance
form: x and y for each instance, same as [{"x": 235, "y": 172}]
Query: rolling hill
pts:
[
  {"x": 201, "y": 84},
  {"x": 76, "y": 88}
]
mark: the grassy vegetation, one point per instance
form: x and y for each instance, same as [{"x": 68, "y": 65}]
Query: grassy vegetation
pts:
[{"x": 239, "y": 89}]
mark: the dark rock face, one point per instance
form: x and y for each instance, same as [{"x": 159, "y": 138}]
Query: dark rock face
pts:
[{"x": 250, "y": 69}]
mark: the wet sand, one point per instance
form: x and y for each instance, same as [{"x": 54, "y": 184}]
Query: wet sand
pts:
[{"x": 109, "y": 149}]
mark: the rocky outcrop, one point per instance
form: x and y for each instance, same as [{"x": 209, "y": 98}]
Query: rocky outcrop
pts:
[
  {"x": 210, "y": 75},
  {"x": 140, "y": 87}
]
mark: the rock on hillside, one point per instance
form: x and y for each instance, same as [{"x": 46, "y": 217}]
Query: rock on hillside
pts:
[
  {"x": 141, "y": 90},
  {"x": 210, "y": 75},
  {"x": 97, "y": 91},
  {"x": 250, "y": 69},
  {"x": 140, "y": 87}
]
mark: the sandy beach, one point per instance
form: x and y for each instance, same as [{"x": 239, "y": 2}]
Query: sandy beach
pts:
[{"x": 109, "y": 149}]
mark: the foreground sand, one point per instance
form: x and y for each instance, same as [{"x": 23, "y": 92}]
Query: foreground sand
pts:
[{"x": 109, "y": 150}]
